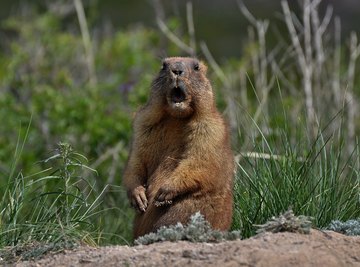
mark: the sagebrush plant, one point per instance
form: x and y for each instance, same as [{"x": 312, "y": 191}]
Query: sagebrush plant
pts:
[
  {"x": 52, "y": 207},
  {"x": 197, "y": 230},
  {"x": 350, "y": 227},
  {"x": 286, "y": 222}
]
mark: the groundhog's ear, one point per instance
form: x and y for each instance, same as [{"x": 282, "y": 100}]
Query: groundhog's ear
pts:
[{"x": 203, "y": 67}]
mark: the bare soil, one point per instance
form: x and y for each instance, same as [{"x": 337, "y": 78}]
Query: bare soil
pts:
[{"x": 319, "y": 248}]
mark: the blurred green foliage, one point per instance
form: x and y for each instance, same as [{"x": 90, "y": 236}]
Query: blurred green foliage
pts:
[{"x": 44, "y": 75}]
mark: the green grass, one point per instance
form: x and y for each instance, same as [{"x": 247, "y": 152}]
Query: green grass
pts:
[
  {"x": 52, "y": 206},
  {"x": 316, "y": 182},
  {"x": 58, "y": 207}
]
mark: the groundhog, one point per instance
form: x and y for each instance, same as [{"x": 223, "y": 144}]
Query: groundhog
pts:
[{"x": 180, "y": 160}]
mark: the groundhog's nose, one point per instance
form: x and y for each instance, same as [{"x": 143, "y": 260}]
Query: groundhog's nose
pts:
[{"x": 177, "y": 68}]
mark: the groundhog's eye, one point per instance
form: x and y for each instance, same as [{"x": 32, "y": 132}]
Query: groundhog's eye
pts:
[{"x": 196, "y": 66}]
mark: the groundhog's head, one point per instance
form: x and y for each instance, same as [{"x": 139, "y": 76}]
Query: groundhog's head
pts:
[{"x": 183, "y": 87}]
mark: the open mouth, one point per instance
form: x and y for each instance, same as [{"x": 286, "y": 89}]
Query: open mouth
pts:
[{"x": 177, "y": 94}]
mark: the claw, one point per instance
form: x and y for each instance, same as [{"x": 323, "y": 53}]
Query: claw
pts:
[
  {"x": 165, "y": 196},
  {"x": 163, "y": 203},
  {"x": 139, "y": 199}
]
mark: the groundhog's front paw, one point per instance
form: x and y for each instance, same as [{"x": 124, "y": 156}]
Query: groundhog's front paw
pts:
[
  {"x": 138, "y": 198},
  {"x": 164, "y": 196}
]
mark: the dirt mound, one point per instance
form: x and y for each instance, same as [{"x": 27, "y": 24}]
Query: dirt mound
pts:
[{"x": 282, "y": 249}]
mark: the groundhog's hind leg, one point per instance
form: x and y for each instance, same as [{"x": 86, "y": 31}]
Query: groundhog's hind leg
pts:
[
  {"x": 221, "y": 218},
  {"x": 148, "y": 221}
]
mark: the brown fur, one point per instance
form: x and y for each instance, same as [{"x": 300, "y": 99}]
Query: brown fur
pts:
[{"x": 180, "y": 160}]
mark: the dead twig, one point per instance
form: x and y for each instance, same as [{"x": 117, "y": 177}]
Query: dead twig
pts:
[{"x": 87, "y": 41}]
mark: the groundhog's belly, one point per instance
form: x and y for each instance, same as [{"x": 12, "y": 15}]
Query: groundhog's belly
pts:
[{"x": 212, "y": 206}]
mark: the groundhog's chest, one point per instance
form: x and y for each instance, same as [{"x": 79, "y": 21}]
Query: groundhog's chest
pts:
[{"x": 163, "y": 145}]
